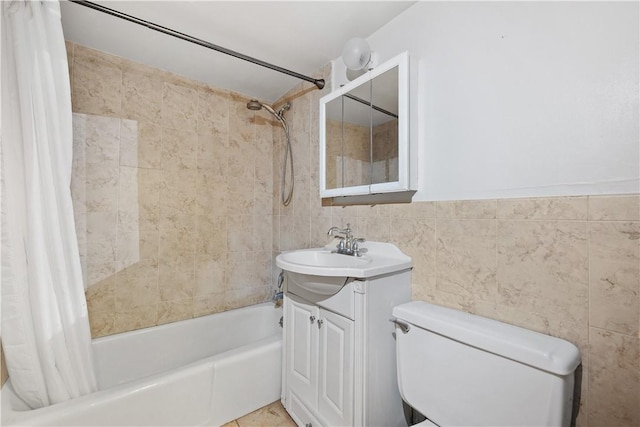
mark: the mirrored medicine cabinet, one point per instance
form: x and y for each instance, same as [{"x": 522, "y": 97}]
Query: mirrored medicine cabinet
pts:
[{"x": 364, "y": 133}]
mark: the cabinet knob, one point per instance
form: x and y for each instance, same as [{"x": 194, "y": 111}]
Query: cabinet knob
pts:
[
  {"x": 312, "y": 319},
  {"x": 320, "y": 322}
]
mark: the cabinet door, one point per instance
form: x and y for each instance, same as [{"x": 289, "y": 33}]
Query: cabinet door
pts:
[
  {"x": 302, "y": 350},
  {"x": 335, "y": 388}
]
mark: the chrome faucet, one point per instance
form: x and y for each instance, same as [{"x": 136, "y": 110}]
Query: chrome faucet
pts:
[{"x": 347, "y": 245}]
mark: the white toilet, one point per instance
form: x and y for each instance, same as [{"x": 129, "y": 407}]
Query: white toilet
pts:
[{"x": 458, "y": 369}]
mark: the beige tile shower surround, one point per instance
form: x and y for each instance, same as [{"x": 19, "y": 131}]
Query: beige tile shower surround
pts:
[{"x": 199, "y": 233}]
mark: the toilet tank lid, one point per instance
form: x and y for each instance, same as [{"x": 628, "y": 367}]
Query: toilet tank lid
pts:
[{"x": 541, "y": 351}]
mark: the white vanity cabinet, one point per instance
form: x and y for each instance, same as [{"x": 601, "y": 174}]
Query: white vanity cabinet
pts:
[{"x": 339, "y": 350}]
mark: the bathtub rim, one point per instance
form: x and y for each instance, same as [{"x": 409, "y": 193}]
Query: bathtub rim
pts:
[{"x": 16, "y": 412}]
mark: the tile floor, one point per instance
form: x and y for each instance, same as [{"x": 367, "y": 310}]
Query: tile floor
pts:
[{"x": 273, "y": 415}]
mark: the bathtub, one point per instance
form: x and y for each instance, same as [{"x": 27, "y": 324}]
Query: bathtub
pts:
[{"x": 203, "y": 371}]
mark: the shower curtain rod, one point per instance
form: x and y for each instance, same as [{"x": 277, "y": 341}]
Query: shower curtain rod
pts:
[{"x": 318, "y": 82}]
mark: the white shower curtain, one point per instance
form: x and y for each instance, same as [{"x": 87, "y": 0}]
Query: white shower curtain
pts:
[{"x": 45, "y": 327}]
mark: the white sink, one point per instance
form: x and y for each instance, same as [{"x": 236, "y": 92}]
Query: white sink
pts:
[
  {"x": 379, "y": 258},
  {"x": 324, "y": 258}
]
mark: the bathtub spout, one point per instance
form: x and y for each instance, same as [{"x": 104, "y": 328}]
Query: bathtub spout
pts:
[{"x": 277, "y": 299}]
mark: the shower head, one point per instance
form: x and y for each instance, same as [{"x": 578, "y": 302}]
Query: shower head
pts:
[{"x": 254, "y": 105}]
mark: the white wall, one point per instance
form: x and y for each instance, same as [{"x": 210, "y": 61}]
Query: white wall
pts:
[{"x": 521, "y": 99}]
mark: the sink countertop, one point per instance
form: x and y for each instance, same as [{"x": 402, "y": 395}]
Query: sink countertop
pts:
[{"x": 380, "y": 258}]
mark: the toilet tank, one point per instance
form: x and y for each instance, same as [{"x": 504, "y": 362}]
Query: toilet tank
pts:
[{"x": 458, "y": 369}]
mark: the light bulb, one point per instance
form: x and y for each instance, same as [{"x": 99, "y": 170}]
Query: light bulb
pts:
[{"x": 356, "y": 54}]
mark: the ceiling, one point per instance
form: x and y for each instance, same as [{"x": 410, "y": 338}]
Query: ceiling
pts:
[{"x": 298, "y": 35}]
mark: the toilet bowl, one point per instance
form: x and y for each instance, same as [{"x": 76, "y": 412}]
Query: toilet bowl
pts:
[{"x": 458, "y": 369}]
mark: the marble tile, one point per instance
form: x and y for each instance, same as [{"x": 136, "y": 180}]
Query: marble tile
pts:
[
  {"x": 137, "y": 285},
  {"x": 614, "y": 208},
  {"x": 319, "y": 227},
  {"x": 149, "y": 191},
  {"x": 374, "y": 228},
  {"x": 136, "y": 245},
  {"x": 210, "y": 275},
  {"x": 456, "y": 301},
  {"x": 614, "y": 379},
  {"x": 614, "y": 276},
  {"x": 264, "y": 271},
  {"x": 128, "y": 149},
  {"x": 102, "y": 323},
  {"x": 128, "y": 189},
  {"x": 413, "y": 232},
  {"x": 543, "y": 262},
  {"x": 212, "y": 194},
  {"x": 213, "y": 111},
  {"x": 97, "y": 83},
  {"x": 101, "y": 246},
  {"x": 237, "y": 298},
  {"x": 173, "y": 311},
  {"x": 102, "y": 139},
  {"x": 262, "y": 201},
  {"x": 301, "y": 231},
  {"x": 178, "y": 199},
  {"x": 179, "y": 107},
  {"x": 413, "y": 210},
  {"x": 101, "y": 296},
  {"x": 179, "y": 149},
  {"x": 241, "y": 119},
  {"x": 276, "y": 248},
  {"x": 141, "y": 317},
  {"x": 240, "y": 235},
  {"x": 466, "y": 257},
  {"x": 177, "y": 246},
  {"x": 263, "y": 228},
  {"x": 239, "y": 200},
  {"x": 423, "y": 275},
  {"x": 209, "y": 304},
  {"x": 241, "y": 161},
  {"x": 541, "y": 316},
  {"x": 212, "y": 152},
  {"x": 242, "y": 270},
  {"x": 176, "y": 281},
  {"x": 556, "y": 208},
  {"x": 142, "y": 91},
  {"x": 144, "y": 148},
  {"x": 302, "y": 199},
  {"x": 467, "y": 209},
  {"x": 211, "y": 235},
  {"x": 102, "y": 187},
  {"x": 300, "y": 114}
]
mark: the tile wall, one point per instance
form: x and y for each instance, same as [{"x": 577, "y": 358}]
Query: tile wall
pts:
[
  {"x": 567, "y": 266},
  {"x": 172, "y": 203}
]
